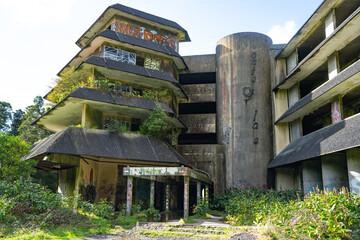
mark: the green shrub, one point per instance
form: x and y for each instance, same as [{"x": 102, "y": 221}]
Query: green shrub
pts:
[
  {"x": 200, "y": 209},
  {"x": 152, "y": 214},
  {"x": 103, "y": 209}
]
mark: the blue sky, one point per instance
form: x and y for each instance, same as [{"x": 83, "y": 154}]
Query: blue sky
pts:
[{"x": 38, "y": 36}]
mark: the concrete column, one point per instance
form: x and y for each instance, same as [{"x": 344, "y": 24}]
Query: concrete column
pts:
[
  {"x": 91, "y": 117},
  {"x": 152, "y": 189},
  {"x": 207, "y": 196},
  {"x": 186, "y": 198},
  {"x": 167, "y": 201},
  {"x": 336, "y": 110},
  {"x": 198, "y": 192},
  {"x": 330, "y": 23},
  {"x": 353, "y": 164},
  {"x": 333, "y": 65},
  {"x": 129, "y": 195},
  {"x": 334, "y": 171},
  {"x": 312, "y": 176},
  {"x": 243, "y": 105}
]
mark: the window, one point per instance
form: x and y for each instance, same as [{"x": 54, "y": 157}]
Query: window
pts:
[
  {"x": 119, "y": 55},
  {"x": 152, "y": 63}
]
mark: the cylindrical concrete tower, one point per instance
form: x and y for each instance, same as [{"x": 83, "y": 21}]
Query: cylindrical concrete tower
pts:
[{"x": 243, "y": 102}]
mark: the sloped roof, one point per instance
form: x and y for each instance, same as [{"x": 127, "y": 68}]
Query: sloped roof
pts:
[
  {"x": 69, "y": 110},
  {"x": 129, "y": 12},
  {"x": 106, "y": 144},
  {"x": 127, "y": 40},
  {"x": 334, "y": 138}
]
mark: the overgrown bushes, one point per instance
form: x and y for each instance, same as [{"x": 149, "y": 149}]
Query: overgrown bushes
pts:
[{"x": 287, "y": 215}]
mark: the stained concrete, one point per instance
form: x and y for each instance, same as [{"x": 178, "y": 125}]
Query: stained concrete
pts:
[
  {"x": 200, "y": 63},
  {"x": 209, "y": 158},
  {"x": 353, "y": 164},
  {"x": 334, "y": 171},
  {"x": 199, "y": 123},
  {"x": 312, "y": 176},
  {"x": 200, "y": 92},
  {"x": 243, "y": 107}
]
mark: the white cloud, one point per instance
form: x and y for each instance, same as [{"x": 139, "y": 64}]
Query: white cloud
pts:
[
  {"x": 282, "y": 34},
  {"x": 32, "y": 12}
]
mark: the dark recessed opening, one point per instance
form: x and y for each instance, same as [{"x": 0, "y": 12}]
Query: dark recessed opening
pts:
[
  {"x": 197, "y": 138},
  {"x": 197, "y": 108},
  {"x": 197, "y": 78},
  {"x": 312, "y": 42},
  {"x": 345, "y": 10},
  {"x": 314, "y": 80},
  {"x": 316, "y": 120}
]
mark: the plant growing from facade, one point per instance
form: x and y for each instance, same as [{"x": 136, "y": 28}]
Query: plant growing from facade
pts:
[{"x": 157, "y": 124}]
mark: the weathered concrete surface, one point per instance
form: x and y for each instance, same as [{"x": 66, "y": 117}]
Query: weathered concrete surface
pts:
[
  {"x": 287, "y": 178},
  {"x": 200, "y": 63},
  {"x": 334, "y": 171},
  {"x": 209, "y": 158},
  {"x": 312, "y": 177},
  {"x": 91, "y": 117},
  {"x": 200, "y": 123},
  {"x": 243, "y": 103},
  {"x": 353, "y": 165},
  {"x": 200, "y": 92}
]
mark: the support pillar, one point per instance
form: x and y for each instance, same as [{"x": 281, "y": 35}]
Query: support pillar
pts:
[
  {"x": 312, "y": 176},
  {"x": 167, "y": 201},
  {"x": 152, "y": 189},
  {"x": 186, "y": 198},
  {"x": 353, "y": 164},
  {"x": 129, "y": 195},
  {"x": 198, "y": 192},
  {"x": 207, "y": 197}
]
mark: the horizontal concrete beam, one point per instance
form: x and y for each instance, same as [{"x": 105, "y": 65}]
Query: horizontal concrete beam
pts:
[
  {"x": 200, "y": 123},
  {"x": 200, "y": 92}
]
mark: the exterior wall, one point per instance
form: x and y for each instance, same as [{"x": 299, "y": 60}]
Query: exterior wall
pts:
[
  {"x": 287, "y": 178},
  {"x": 209, "y": 158},
  {"x": 200, "y": 63},
  {"x": 91, "y": 117},
  {"x": 311, "y": 175},
  {"x": 244, "y": 123},
  {"x": 200, "y": 92},
  {"x": 200, "y": 123},
  {"x": 353, "y": 164},
  {"x": 334, "y": 171}
]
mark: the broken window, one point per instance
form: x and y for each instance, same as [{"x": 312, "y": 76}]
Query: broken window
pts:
[
  {"x": 152, "y": 63},
  {"x": 119, "y": 55}
]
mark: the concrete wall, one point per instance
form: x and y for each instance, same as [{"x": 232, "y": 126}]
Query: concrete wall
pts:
[
  {"x": 200, "y": 123},
  {"x": 91, "y": 117},
  {"x": 287, "y": 178},
  {"x": 209, "y": 158},
  {"x": 334, "y": 171},
  {"x": 200, "y": 63},
  {"x": 353, "y": 164},
  {"x": 312, "y": 176},
  {"x": 200, "y": 92},
  {"x": 244, "y": 115}
]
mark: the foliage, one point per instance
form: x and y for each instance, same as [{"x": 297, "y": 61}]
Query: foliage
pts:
[
  {"x": 17, "y": 119},
  {"x": 5, "y": 115},
  {"x": 102, "y": 209},
  {"x": 45, "y": 178},
  {"x": 243, "y": 205},
  {"x": 286, "y": 215},
  {"x": 157, "y": 124},
  {"x": 12, "y": 148},
  {"x": 321, "y": 215},
  {"x": 28, "y": 132},
  {"x": 200, "y": 209},
  {"x": 69, "y": 81},
  {"x": 152, "y": 213}
]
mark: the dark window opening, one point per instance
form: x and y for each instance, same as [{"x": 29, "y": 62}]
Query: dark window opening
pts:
[
  {"x": 345, "y": 10},
  {"x": 311, "y": 42},
  {"x": 316, "y": 120},
  {"x": 349, "y": 54},
  {"x": 197, "y": 78},
  {"x": 197, "y": 138},
  {"x": 197, "y": 108},
  {"x": 351, "y": 103},
  {"x": 314, "y": 80},
  {"x": 140, "y": 61}
]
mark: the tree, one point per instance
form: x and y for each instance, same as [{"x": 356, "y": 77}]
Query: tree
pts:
[
  {"x": 12, "y": 148},
  {"x": 28, "y": 132},
  {"x": 17, "y": 119},
  {"x": 5, "y": 115},
  {"x": 157, "y": 125}
]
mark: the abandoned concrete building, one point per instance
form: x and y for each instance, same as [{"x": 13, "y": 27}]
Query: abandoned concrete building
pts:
[{"x": 252, "y": 114}]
